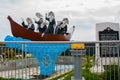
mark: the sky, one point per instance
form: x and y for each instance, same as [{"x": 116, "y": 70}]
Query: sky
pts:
[{"x": 83, "y": 14}]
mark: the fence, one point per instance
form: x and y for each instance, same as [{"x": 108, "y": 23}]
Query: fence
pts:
[{"x": 57, "y": 61}]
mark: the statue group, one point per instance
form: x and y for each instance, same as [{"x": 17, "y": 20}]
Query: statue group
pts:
[{"x": 47, "y": 25}]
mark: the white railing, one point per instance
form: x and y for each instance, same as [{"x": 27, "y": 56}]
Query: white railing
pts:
[{"x": 49, "y": 59}]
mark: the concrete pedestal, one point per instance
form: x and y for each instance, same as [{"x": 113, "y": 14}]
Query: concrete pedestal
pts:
[{"x": 77, "y": 54}]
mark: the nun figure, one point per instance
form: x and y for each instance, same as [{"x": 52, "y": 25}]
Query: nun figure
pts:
[
  {"x": 62, "y": 27},
  {"x": 52, "y": 23},
  {"x": 30, "y": 25},
  {"x": 41, "y": 24}
]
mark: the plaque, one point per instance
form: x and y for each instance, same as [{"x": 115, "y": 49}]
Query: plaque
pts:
[{"x": 108, "y": 49}]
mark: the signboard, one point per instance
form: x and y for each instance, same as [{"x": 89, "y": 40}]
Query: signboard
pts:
[{"x": 108, "y": 49}]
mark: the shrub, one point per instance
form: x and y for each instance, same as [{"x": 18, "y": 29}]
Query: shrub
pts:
[
  {"x": 88, "y": 64},
  {"x": 11, "y": 53},
  {"x": 112, "y": 73},
  {"x": 90, "y": 76}
]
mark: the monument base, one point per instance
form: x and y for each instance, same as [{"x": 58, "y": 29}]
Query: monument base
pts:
[{"x": 97, "y": 69}]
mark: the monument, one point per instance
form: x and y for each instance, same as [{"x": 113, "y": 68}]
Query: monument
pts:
[{"x": 105, "y": 52}]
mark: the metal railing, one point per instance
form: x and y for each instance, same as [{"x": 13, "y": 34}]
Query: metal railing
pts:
[{"x": 48, "y": 60}]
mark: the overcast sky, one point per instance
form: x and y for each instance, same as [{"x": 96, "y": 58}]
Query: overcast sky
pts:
[{"x": 84, "y": 14}]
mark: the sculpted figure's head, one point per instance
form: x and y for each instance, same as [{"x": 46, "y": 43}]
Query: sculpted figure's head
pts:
[
  {"x": 51, "y": 14},
  {"x": 29, "y": 20},
  {"x": 39, "y": 15},
  {"x": 65, "y": 20}
]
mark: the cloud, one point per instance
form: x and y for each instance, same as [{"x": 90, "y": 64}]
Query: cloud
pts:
[
  {"x": 50, "y": 0},
  {"x": 83, "y": 14}
]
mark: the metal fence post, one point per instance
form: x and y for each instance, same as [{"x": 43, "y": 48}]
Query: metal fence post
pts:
[{"x": 77, "y": 54}]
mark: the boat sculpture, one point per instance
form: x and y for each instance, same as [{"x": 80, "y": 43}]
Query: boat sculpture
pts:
[
  {"x": 20, "y": 31},
  {"x": 46, "y": 54}
]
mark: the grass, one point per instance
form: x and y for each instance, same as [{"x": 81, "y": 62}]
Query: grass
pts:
[
  {"x": 58, "y": 77},
  {"x": 9, "y": 79},
  {"x": 86, "y": 74},
  {"x": 69, "y": 75}
]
